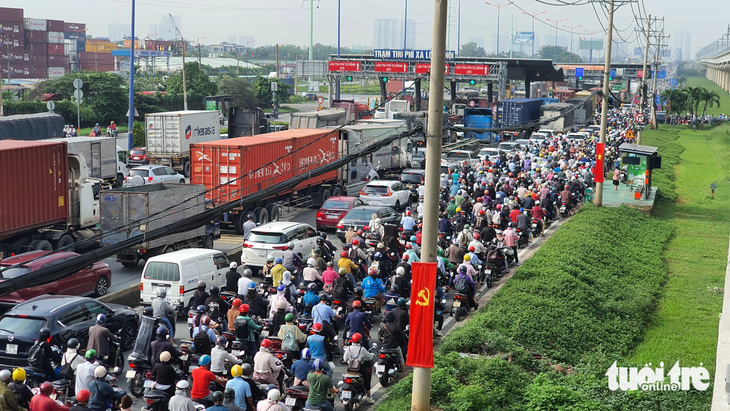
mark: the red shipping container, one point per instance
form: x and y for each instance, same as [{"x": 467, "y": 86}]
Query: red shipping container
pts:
[
  {"x": 19, "y": 56},
  {"x": 12, "y": 42},
  {"x": 11, "y": 27},
  {"x": 312, "y": 151},
  {"x": 39, "y": 58},
  {"x": 54, "y": 25},
  {"x": 8, "y": 14},
  {"x": 37, "y": 164},
  {"x": 73, "y": 27},
  {"x": 55, "y": 49},
  {"x": 37, "y": 37}
]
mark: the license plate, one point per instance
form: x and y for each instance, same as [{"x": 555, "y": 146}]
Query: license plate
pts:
[
  {"x": 534, "y": 226},
  {"x": 368, "y": 312},
  {"x": 261, "y": 253},
  {"x": 264, "y": 333},
  {"x": 11, "y": 349},
  {"x": 333, "y": 217},
  {"x": 299, "y": 300},
  {"x": 148, "y": 383},
  {"x": 457, "y": 303},
  {"x": 130, "y": 374},
  {"x": 346, "y": 395},
  {"x": 291, "y": 401},
  {"x": 192, "y": 367},
  {"x": 380, "y": 368},
  {"x": 488, "y": 272},
  {"x": 235, "y": 353}
]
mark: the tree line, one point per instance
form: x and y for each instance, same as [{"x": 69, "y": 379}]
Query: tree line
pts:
[{"x": 689, "y": 99}]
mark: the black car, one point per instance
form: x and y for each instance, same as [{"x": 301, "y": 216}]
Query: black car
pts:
[
  {"x": 359, "y": 217},
  {"x": 67, "y": 317},
  {"x": 411, "y": 179}
]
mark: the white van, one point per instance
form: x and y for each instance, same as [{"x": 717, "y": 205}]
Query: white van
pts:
[{"x": 179, "y": 272}]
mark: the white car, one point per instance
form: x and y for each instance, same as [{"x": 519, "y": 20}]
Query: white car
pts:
[
  {"x": 389, "y": 193},
  {"x": 270, "y": 240},
  {"x": 538, "y": 138},
  {"x": 488, "y": 153},
  {"x": 523, "y": 142},
  {"x": 508, "y": 146},
  {"x": 550, "y": 133},
  {"x": 152, "y": 174},
  {"x": 459, "y": 134}
]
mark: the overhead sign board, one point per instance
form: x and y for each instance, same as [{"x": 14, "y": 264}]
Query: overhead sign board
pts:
[
  {"x": 662, "y": 74},
  {"x": 472, "y": 69},
  {"x": 579, "y": 71},
  {"x": 522, "y": 37},
  {"x": 344, "y": 66},
  {"x": 425, "y": 68},
  {"x": 673, "y": 82},
  {"x": 386, "y": 54},
  {"x": 390, "y": 67}
]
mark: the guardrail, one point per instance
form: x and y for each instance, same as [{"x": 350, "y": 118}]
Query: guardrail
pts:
[{"x": 719, "y": 46}]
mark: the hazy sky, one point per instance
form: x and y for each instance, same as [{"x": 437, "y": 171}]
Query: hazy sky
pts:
[{"x": 287, "y": 21}]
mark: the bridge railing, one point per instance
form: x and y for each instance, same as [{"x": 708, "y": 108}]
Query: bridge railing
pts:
[{"x": 719, "y": 46}]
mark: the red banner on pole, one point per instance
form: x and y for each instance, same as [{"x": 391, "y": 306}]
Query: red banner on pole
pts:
[
  {"x": 599, "y": 162},
  {"x": 420, "y": 344}
]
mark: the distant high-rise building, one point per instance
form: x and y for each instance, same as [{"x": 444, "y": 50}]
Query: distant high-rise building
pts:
[
  {"x": 386, "y": 34},
  {"x": 410, "y": 40},
  {"x": 688, "y": 44},
  {"x": 231, "y": 39},
  {"x": 117, "y": 31},
  {"x": 478, "y": 40}
]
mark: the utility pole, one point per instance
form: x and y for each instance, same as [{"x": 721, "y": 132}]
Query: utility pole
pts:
[
  {"x": 646, "y": 55},
  {"x": 511, "y": 35},
  {"x": 657, "y": 64},
  {"x": 606, "y": 90},
  {"x": 278, "y": 69},
  {"x": 571, "y": 38},
  {"x": 421, "y": 392},
  {"x": 533, "y": 28},
  {"x": 311, "y": 30},
  {"x": 130, "y": 119},
  {"x": 185, "y": 85},
  {"x": 499, "y": 8},
  {"x": 556, "y": 34}
]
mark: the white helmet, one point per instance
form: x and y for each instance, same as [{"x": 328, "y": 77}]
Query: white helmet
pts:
[
  {"x": 100, "y": 372},
  {"x": 400, "y": 271},
  {"x": 311, "y": 262},
  {"x": 182, "y": 385},
  {"x": 233, "y": 265},
  {"x": 273, "y": 395}
]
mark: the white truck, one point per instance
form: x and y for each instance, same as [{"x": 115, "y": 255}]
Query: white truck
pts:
[
  {"x": 170, "y": 134},
  {"x": 392, "y": 107},
  {"x": 104, "y": 159}
]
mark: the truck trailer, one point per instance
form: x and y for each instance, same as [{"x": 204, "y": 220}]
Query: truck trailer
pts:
[{"x": 103, "y": 157}]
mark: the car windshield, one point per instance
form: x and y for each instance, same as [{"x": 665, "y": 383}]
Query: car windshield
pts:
[
  {"x": 410, "y": 178},
  {"x": 336, "y": 205},
  {"x": 375, "y": 190},
  {"x": 359, "y": 214},
  {"x": 460, "y": 156},
  {"x": 22, "y": 325},
  {"x": 137, "y": 152},
  {"x": 266, "y": 238},
  {"x": 158, "y": 270},
  {"x": 506, "y": 146},
  {"x": 141, "y": 173},
  {"x": 419, "y": 154},
  {"x": 14, "y": 272}
]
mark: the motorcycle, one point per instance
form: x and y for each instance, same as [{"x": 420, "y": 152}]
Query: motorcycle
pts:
[
  {"x": 460, "y": 306},
  {"x": 563, "y": 210},
  {"x": 115, "y": 361},
  {"x": 296, "y": 398},
  {"x": 387, "y": 366},
  {"x": 156, "y": 400},
  {"x": 352, "y": 387},
  {"x": 522, "y": 241},
  {"x": 371, "y": 308},
  {"x": 535, "y": 230}
]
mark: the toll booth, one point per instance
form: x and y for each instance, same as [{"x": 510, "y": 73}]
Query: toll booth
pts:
[{"x": 640, "y": 161}]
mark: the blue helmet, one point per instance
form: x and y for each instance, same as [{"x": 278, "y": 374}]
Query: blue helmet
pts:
[
  {"x": 521, "y": 209},
  {"x": 378, "y": 255},
  {"x": 306, "y": 354},
  {"x": 204, "y": 360},
  {"x": 318, "y": 364},
  {"x": 100, "y": 319},
  {"x": 462, "y": 269},
  {"x": 313, "y": 287},
  {"x": 281, "y": 287},
  {"x": 413, "y": 238},
  {"x": 200, "y": 309},
  {"x": 279, "y": 261}
]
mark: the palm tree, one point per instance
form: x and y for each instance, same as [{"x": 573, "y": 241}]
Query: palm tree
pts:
[
  {"x": 711, "y": 98},
  {"x": 694, "y": 98}
]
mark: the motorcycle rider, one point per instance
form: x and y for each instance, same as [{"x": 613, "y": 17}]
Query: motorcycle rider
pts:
[
  {"x": 310, "y": 273},
  {"x": 40, "y": 402},
  {"x": 217, "y": 307},
  {"x": 319, "y": 262},
  {"x": 523, "y": 224},
  {"x": 97, "y": 130},
  {"x": 101, "y": 392},
  {"x": 217, "y": 398},
  {"x": 407, "y": 223},
  {"x": 202, "y": 377},
  {"x": 402, "y": 317},
  {"x": 70, "y": 357},
  {"x": 258, "y": 306},
  {"x": 310, "y": 299},
  {"x": 22, "y": 392},
  {"x": 266, "y": 367},
  {"x": 510, "y": 240},
  {"x": 344, "y": 263},
  {"x": 393, "y": 338},
  {"x": 99, "y": 337},
  {"x": 290, "y": 327},
  {"x": 463, "y": 283},
  {"x": 329, "y": 275},
  {"x": 323, "y": 314},
  {"x": 291, "y": 262},
  {"x": 319, "y": 385},
  {"x": 161, "y": 344},
  {"x": 244, "y": 283},
  {"x": 280, "y": 296},
  {"x": 219, "y": 356},
  {"x": 342, "y": 287},
  {"x": 373, "y": 287},
  {"x": 278, "y": 317},
  {"x": 358, "y": 355},
  {"x": 445, "y": 225},
  {"x": 49, "y": 354},
  {"x": 538, "y": 214},
  {"x": 272, "y": 403},
  {"x": 200, "y": 295},
  {"x": 180, "y": 401},
  {"x": 233, "y": 313},
  {"x": 82, "y": 401},
  {"x": 229, "y": 400},
  {"x": 232, "y": 277},
  {"x": 406, "y": 265},
  {"x": 161, "y": 309},
  {"x": 301, "y": 368},
  {"x": 455, "y": 254},
  {"x": 277, "y": 272},
  {"x": 7, "y": 398},
  {"x": 399, "y": 279},
  {"x": 359, "y": 323},
  {"x": 246, "y": 327},
  {"x": 240, "y": 388},
  {"x": 164, "y": 375}
]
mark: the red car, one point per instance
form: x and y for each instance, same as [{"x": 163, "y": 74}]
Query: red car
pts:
[
  {"x": 334, "y": 209},
  {"x": 94, "y": 280},
  {"x": 138, "y": 157}
]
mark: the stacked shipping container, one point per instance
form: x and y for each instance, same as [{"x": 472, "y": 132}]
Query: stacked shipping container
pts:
[{"x": 12, "y": 38}]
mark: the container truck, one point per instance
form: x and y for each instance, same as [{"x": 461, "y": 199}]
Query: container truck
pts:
[
  {"x": 561, "y": 124},
  {"x": 319, "y": 119},
  {"x": 130, "y": 211},
  {"x": 584, "y": 112},
  {"x": 40, "y": 126},
  {"x": 518, "y": 112},
  {"x": 245, "y": 121},
  {"x": 480, "y": 118},
  {"x": 234, "y": 168},
  {"x": 102, "y": 155},
  {"x": 391, "y": 107},
  {"x": 48, "y": 199},
  {"x": 169, "y": 136}
]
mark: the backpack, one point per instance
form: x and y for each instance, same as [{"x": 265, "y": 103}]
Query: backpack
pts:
[
  {"x": 289, "y": 343},
  {"x": 338, "y": 289},
  {"x": 461, "y": 285},
  {"x": 67, "y": 372},
  {"x": 353, "y": 364},
  {"x": 35, "y": 356},
  {"x": 241, "y": 327},
  {"x": 201, "y": 342}
]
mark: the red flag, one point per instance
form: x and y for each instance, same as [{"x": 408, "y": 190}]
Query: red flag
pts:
[
  {"x": 420, "y": 345},
  {"x": 599, "y": 162}
]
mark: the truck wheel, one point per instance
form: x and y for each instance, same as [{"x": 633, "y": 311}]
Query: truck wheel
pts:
[
  {"x": 186, "y": 169},
  {"x": 325, "y": 195},
  {"x": 63, "y": 241},
  {"x": 238, "y": 223},
  {"x": 120, "y": 181},
  {"x": 261, "y": 215},
  {"x": 208, "y": 242},
  {"x": 40, "y": 245},
  {"x": 336, "y": 191},
  {"x": 274, "y": 212},
  {"x": 168, "y": 249}
]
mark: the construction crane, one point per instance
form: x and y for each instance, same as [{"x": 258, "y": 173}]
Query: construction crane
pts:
[{"x": 184, "y": 49}]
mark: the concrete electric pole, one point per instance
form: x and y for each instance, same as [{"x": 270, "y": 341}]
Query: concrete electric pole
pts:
[{"x": 606, "y": 91}]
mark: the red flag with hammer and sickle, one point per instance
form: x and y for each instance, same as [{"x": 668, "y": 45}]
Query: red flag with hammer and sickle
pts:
[
  {"x": 599, "y": 162},
  {"x": 420, "y": 344}
]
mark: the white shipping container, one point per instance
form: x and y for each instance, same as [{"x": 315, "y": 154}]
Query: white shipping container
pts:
[
  {"x": 55, "y": 37},
  {"x": 56, "y": 72},
  {"x": 172, "y": 133},
  {"x": 69, "y": 46},
  {"x": 35, "y": 24}
]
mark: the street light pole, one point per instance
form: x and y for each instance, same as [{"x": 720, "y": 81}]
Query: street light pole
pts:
[
  {"x": 590, "y": 50},
  {"x": 556, "y": 34},
  {"x": 499, "y": 8},
  {"x": 339, "y": 20},
  {"x": 458, "y": 32},
  {"x": 604, "y": 106},
  {"x": 200, "y": 64},
  {"x": 571, "y": 38},
  {"x": 533, "y": 29},
  {"x": 130, "y": 119},
  {"x": 405, "y": 42}
]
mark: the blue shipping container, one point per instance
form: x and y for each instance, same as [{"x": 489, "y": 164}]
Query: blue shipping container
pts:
[
  {"x": 478, "y": 118},
  {"x": 518, "y": 112},
  {"x": 75, "y": 36},
  {"x": 548, "y": 100}
]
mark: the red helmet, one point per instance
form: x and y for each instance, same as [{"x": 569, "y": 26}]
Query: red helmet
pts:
[
  {"x": 343, "y": 254},
  {"x": 408, "y": 246},
  {"x": 373, "y": 271},
  {"x": 408, "y": 212},
  {"x": 236, "y": 302},
  {"x": 205, "y": 320},
  {"x": 359, "y": 232},
  {"x": 356, "y": 304},
  {"x": 47, "y": 388},
  {"x": 481, "y": 212},
  {"x": 356, "y": 241},
  {"x": 356, "y": 338},
  {"x": 243, "y": 308},
  {"x": 83, "y": 396},
  {"x": 405, "y": 257},
  {"x": 477, "y": 236},
  {"x": 479, "y": 199},
  {"x": 266, "y": 343},
  {"x": 472, "y": 249},
  {"x": 317, "y": 327}
]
